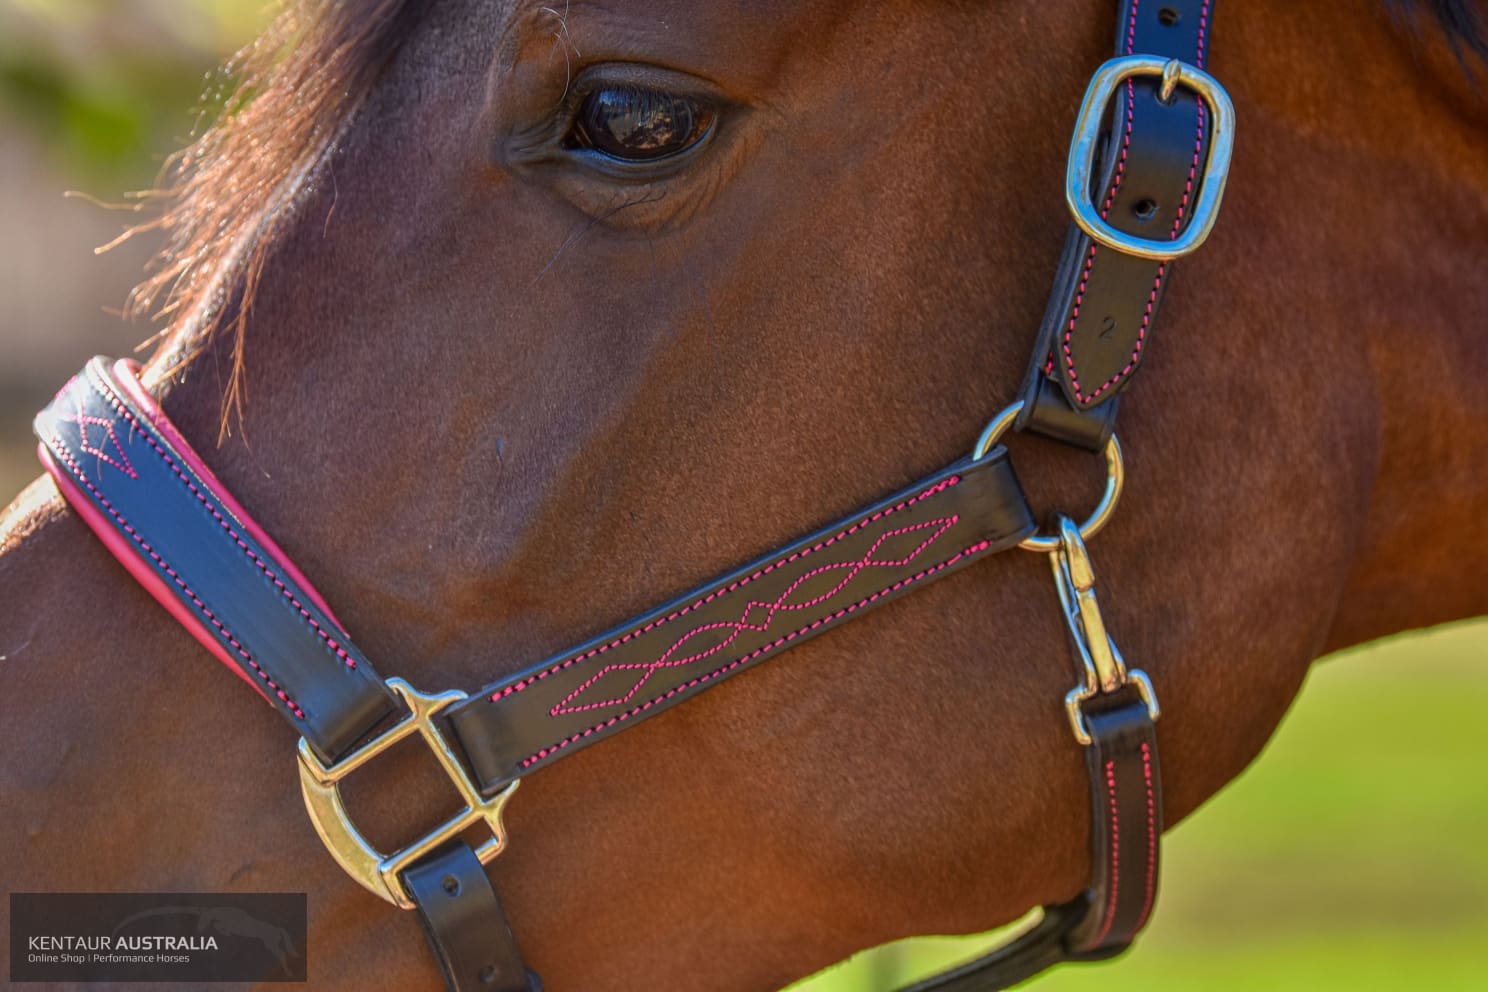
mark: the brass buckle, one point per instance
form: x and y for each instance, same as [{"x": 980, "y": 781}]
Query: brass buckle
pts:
[
  {"x": 1104, "y": 669},
  {"x": 376, "y": 872},
  {"x": 1077, "y": 182}
]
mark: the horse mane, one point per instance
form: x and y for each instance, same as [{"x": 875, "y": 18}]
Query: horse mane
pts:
[
  {"x": 1460, "y": 20},
  {"x": 284, "y": 102}
]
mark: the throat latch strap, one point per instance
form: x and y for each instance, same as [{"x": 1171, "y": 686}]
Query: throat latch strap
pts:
[{"x": 1125, "y": 839}]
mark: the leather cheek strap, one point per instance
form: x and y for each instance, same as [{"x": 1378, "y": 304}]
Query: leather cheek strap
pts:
[
  {"x": 1104, "y": 303},
  {"x": 465, "y": 925}
]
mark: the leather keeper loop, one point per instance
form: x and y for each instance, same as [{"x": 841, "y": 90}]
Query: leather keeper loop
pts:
[{"x": 1048, "y": 413}]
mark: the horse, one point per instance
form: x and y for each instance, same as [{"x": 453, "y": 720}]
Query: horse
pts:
[{"x": 492, "y": 398}]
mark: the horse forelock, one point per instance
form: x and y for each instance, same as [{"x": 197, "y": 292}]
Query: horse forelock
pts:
[{"x": 225, "y": 197}]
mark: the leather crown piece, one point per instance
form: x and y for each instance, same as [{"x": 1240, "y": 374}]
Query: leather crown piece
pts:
[
  {"x": 1098, "y": 323},
  {"x": 1091, "y": 341}
]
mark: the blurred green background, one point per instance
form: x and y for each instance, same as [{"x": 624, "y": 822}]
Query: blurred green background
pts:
[{"x": 1351, "y": 856}]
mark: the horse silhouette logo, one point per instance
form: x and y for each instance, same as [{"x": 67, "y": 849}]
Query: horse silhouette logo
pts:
[{"x": 230, "y": 921}]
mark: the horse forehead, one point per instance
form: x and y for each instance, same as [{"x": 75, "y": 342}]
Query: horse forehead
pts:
[
  {"x": 757, "y": 15},
  {"x": 748, "y": 43},
  {"x": 694, "y": 30}
]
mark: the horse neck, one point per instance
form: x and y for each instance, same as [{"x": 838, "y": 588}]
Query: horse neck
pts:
[{"x": 1377, "y": 196}]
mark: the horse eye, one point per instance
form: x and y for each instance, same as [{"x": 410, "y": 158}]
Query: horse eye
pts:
[{"x": 636, "y": 124}]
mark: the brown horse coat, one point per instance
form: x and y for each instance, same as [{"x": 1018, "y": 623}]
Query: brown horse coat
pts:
[{"x": 493, "y": 405}]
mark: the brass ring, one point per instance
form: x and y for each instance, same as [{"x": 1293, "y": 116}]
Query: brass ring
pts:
[{"x": 1099, "y": 517}]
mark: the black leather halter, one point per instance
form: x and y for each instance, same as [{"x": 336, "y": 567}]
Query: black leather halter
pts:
[{"x": 1147, "y": 168}]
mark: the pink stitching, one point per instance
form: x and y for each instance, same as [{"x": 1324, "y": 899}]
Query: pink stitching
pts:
[
  {"x": 1115, "y": 855},
  {"x": 1151, "y": 841},
  {"x": 1069, "y": 330},
  {"x": 650, "y": 668},
  {"x": 1131, "y": 109},
  {"x": 82, "y": 419},
  {"x": 1193, "y": 168},
  {"x": 601, "y": 649},
  {"x": 134, "y": 535},
  {"x": 1069, "y": 355},
  {"x": 1162, "y": 267},
  {"x": 330, "y": 642},
  {"x": 745, "y": 659},
  {"x": 1203, "y": 22}
]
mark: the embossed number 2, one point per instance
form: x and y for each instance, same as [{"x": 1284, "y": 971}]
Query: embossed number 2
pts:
[{"x": 1108, "y": 327}]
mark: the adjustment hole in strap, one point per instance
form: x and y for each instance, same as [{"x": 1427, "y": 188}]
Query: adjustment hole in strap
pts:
[
  {"x": 1168, "y": 17},
  {"x": 1145, "y": 208},
  {"x": 1080, "y": 172},
  {"x": 451, "y": 885}
]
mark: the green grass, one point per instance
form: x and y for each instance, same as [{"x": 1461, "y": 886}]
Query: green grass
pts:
[{"x": 1350, "y": 856}]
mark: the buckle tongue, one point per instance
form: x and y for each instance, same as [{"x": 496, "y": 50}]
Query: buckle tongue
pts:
[
  {"x": 380, "y": 873},
  {"x": 1086, "y": 140}
]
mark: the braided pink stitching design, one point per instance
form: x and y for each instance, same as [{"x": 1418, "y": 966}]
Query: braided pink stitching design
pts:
[
  {"x": 751, "y": 656},
  {"x": 330, "y": 642},
  {"x": 144, "y": 546},
  {"x": 515, "y": 687},
  {"x": 739, "y": 626},
  {"x": 82, "y": 420},
  {"x": 1162, "y": 267}
]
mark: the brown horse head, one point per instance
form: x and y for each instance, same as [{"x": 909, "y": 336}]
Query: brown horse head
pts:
[{"x": 497, "y": 389}]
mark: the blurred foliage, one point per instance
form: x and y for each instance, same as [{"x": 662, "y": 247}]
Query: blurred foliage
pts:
[{"x": 108, "y": 89}]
